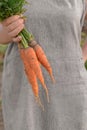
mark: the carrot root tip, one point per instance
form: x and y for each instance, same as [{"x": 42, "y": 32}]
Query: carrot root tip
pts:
[
  {"x": 39, "y": 102},
  {"x": 46, "y": 93},
  {"x": 52, "y": 77}
]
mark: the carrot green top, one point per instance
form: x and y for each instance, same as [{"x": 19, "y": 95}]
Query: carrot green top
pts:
[{"x": 11, "y": 7}]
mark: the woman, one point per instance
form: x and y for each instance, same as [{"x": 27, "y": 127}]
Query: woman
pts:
[{"x": 56, "y": 25}]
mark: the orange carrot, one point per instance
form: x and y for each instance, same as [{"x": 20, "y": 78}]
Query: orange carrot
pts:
[
  {"x": 31, "y": 77},
  {"x": 35, "y": 66},
  {"x": 43, "y": 59}
]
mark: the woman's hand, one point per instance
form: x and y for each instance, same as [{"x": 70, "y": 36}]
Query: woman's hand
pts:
[{"x": 10, "y": 28}]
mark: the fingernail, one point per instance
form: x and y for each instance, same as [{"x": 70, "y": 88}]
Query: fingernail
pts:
[
  {"x": 21, "y": 15},
  {"x": 19, "y": 37}
]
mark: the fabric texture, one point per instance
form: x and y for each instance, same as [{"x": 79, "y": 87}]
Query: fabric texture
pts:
[{"x": 56, "y": 25}]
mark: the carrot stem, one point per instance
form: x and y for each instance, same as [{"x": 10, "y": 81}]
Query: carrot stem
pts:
[
  {"x": 28, "y": 36},
  {"x": 23, "y": 41}
]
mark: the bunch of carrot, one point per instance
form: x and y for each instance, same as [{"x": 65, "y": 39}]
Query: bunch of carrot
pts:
[
  {"x": 31, "y": 52},
  {"x": 32, "y": 57}
]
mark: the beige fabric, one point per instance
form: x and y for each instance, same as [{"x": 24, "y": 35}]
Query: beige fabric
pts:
[{"x": 56, "y": 25}]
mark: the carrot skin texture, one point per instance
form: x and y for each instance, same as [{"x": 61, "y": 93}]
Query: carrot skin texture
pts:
[
  {"x": 43, "y": 60},
  {"x": 31, "y": 78},
  {"x": 35, "y": 66}
]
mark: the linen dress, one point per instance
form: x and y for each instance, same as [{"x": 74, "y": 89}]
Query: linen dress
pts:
[{"x": 56, "y": 25}]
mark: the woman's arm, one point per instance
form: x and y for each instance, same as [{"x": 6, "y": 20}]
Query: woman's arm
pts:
[
  {"x": 84, "y": 51},
  {"x": 10, "y": 28},
  {"x": 84, "y": 48}
]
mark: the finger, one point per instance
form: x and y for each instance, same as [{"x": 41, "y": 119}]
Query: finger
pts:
[
  {"x": 11, "y": 19},
  {"x": 1, "y": 27},
  {"x": 17, "y": 39},
  {"x": 24, "y": 18},
  {"x": 15, "y": 24},
  {"x": 15, "y": 32}
]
